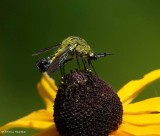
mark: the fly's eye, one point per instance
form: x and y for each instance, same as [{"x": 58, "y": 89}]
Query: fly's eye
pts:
[{"x": 91, "y": 55}]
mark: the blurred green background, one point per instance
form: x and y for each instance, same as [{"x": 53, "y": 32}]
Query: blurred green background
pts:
[{"x": 130, "y": 29}]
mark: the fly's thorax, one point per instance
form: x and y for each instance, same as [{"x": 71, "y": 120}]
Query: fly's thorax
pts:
[
  {"x": 70, "y": 41},
  {"x": 83, "y": 49},
  {"x": 76, "y": 45}
]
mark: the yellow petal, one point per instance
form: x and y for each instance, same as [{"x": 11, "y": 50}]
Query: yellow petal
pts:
[
  {"x": 151, "y": 130},
  {"x": 142, "y": 119},
  {"x": 47, "y": 89},
  {"x": 52, "y": 131},
  {"x": 120, "y": 133},
  {"x": 151, "y": 105},
  {"x": 40, "y": 119},
  {"x": 128, "y": 92}
]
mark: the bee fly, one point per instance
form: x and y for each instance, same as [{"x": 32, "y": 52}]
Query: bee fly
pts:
[{"x": 70, "y": 48}]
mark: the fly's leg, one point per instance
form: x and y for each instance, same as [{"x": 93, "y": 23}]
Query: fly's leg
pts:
[
  {"x": 91, "y": 65},
  {"x": 61, "y": 70},
  {"x": 62, "y": 67},
  {"x": 84, "y": 62},
  {"x": 95, "y": 57},
  {"x": 78, "y": 62}
]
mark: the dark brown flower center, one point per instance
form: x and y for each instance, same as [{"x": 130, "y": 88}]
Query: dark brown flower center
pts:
[{"x": 86, "y": 105}]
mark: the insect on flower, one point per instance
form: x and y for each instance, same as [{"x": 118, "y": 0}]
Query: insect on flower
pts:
[{"x": 70, "y": 48}]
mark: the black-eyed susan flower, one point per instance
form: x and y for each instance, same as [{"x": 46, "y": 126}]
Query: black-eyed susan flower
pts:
[{"x": 93, "y": 109}]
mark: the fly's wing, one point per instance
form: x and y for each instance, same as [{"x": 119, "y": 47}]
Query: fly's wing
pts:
[
  {"x": 45, "y": 50},
  {"x": 59, "y": 60}
]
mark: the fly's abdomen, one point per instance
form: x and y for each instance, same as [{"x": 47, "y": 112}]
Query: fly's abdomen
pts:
[
  {"x": 43, "y": 65},
  {"x": 59, "y": 59}
]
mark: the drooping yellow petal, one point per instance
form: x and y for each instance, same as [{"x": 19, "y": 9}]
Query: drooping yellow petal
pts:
[
  {"x": 128, "y": 92},
  {"x": 47, "y": 89},
  {"x": 46, "y": 99},
  {"x": 151, "y": 105},
  {"x": 120, "y": 133},
  {"x": 40, "y": 119},
  {"x": 142, "y": 119},
  {"x": 151, "y": 130},
  {"x": 52, "y": 131}
]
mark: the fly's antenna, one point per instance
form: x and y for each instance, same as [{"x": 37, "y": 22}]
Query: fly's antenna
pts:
[
  {"x": 94, "y": 56},
  {"x": 99, "y": 55}
]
